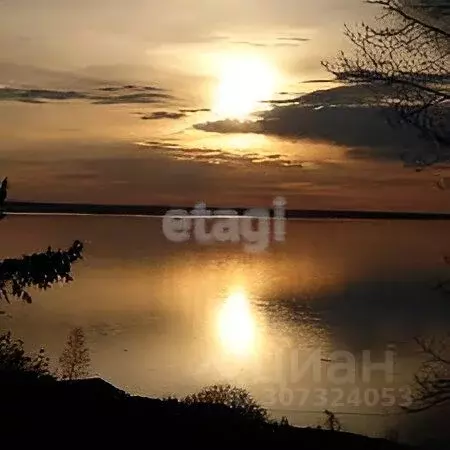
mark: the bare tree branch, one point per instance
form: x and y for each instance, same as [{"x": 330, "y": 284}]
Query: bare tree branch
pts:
[
  {"x": 408, "y": 52},
  {"x": 397, "y": 8},
  {"x": 432, "y": 383}
]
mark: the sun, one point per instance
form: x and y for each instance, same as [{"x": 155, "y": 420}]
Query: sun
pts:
[{"x": 243, "y": 83}]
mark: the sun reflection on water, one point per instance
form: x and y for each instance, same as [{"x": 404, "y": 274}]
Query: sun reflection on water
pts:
[{"x": 236, "y": 324}]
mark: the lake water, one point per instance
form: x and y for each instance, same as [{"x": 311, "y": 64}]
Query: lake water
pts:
[{"x": 169, "y": 318}]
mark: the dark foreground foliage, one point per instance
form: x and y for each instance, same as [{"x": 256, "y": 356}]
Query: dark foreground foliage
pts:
[
  {"x": 94, "y": 414},
  {"x": 18, "y": 366}
]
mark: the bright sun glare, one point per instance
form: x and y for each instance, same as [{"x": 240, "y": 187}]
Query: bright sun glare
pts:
[
  {"x": 236, "y": 325},
  {"x": 244, "y": 82}
]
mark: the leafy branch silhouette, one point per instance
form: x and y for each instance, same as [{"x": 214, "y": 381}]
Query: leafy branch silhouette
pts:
[{"x": 38, "y": 270}]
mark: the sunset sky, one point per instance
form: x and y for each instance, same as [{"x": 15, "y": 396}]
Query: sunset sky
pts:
[{"x": 151, "y": 102}]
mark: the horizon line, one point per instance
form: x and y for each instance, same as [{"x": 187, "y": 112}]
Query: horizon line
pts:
[{"x": 41, "y": 208}]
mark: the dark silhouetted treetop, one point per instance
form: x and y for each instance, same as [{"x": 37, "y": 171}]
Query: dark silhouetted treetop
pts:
[
  {"x": 75, "y": 359},
  {"x": 233, "y": 397},
  {"x": 39, "y": 270}
]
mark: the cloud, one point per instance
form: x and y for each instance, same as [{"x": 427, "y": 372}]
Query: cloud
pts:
[
  {"x": 341, "y": 95},
  {"x": 290, "y": 41},
  {"x": 286, "y": 44},
  {"x": 174, "y": 115},
  {"x": 277, "y": 42},
  {"x": 38, "y": 95},
  {"x": 364, "y": 130},
  {"x": 231, "y": 126},
  {"x": 251, "y": 44},
  {"x": 130, "y": 94},
  {"x": 195, "y": 110},
  {"x": 346, "y": 116},
  {"x": 294, "y": 39},
  {"x": 130, "y": 87},
  {"x": 157, "y": 115},
  {"x": 219, "y": 156}
]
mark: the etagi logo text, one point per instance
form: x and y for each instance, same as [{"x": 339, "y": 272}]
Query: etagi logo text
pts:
[{"x": 253, "y": 227}]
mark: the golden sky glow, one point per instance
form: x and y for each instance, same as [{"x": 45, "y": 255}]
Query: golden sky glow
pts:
[{"x": 72, "y": 137}]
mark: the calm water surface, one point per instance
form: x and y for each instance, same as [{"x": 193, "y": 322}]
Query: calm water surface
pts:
[{"x": 166, "y": 318}]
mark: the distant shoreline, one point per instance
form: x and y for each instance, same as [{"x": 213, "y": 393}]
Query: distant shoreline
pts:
[{"x": 160, "y": 210}]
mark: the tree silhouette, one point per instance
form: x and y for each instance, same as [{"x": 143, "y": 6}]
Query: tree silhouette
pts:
[
  {"x": 14, "y": 362},
  {"x": 39, "y": 270},
  {"x": 405, "y": 57},
  {"x": 3, "y": 193},
  {"x": 331, "y": 422},
  {"x": 233, "y": 397},
  {"x": 74, "y": 361}
]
